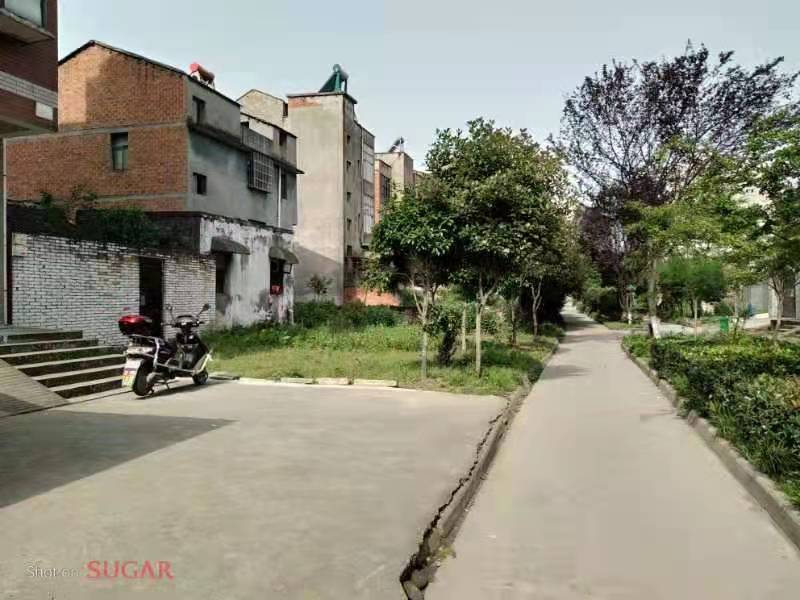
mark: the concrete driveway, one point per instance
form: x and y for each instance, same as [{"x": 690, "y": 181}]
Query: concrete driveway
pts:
[{"x": 229, "y": 492}]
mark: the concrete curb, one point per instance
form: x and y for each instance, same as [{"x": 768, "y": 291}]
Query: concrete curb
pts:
[
  {"x": 759, "y": 486},
  {"x": 440, "y": 535},
  {"x": 321, "y": 381}
]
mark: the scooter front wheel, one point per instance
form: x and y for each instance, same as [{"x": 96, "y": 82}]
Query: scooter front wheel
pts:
[
  {"x": 201, "y": 378},
  {"x": 141, "y": 387}
]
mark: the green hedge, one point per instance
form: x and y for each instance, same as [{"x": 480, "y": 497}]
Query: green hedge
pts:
[
  {"x": 700, "y": 367},
  {"x": 761, "y": 417},
  {"x": 354, "y": 314},
  {"x": 748, "y": 388}
]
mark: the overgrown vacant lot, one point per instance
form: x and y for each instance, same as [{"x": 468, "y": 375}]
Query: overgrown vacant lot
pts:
[
  {"x": 372, "y": 344},
  {"x": 748, "y": 387}
]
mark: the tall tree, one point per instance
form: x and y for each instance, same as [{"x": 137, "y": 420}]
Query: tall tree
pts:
[
  {"x": 506, "y": 191},
  {"x": 413, "y": 248},
  {"x": 772, "y": 167},
  {"x": 644, "y": 132}
]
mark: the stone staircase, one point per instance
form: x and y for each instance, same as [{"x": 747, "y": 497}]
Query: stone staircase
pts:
[{"x": 64, "y": 361}]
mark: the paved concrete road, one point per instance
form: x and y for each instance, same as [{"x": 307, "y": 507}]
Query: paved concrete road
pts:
[
  {"x": 249, "y": 492},
  {"x": 601, "y": 491}
]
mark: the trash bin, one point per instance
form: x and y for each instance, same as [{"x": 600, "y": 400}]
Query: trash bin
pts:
[{"x": 724, "y": 324}]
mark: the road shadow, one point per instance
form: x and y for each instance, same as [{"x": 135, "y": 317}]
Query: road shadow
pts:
[
  {"x": 558, "y": 371},
  {"x": 45, "y": 450}
]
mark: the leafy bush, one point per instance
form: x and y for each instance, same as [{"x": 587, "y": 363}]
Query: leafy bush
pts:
[
  {"x": 551, "y": 330},
  {"x": 713, "y": 364},
  {"x": 761, "y": 417},
  {"x": 352, "y": 315},
  {"x": 723, "y": 309},
  {"x": 638, "y": 345},
  {"x": 446, "y": 322}
]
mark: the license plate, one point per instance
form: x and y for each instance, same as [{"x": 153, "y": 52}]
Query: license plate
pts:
[{"x": 129, "y": 372}]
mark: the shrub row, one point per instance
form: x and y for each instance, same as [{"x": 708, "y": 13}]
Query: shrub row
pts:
[
  {"x": 352, "y": 315},
  {"x": 701, "y": 367},
  {"x": 748, "y": 387}
]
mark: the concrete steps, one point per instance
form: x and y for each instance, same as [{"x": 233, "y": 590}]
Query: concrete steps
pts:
[
  {"x": 85, "y": 388},
  {"x": 73, "y": 364},
  {"x": 65, "y": 362},
  {"x": 23, "y": 347}
]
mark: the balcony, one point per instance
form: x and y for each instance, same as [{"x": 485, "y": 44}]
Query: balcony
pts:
[{"x": 24, "y": 20}]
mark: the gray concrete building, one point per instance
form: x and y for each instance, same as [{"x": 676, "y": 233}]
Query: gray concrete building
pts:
[
  {"x": 401, "y": 165},
  {"x": 334, "y": 219}
]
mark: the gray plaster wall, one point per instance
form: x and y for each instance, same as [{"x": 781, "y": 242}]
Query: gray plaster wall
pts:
[
  {"x": 247, "y": 299},
  {"x": 226, "y": 171},
  {"x": 318, "y": 122},
  {"x": 3, "y": 316},
  {"x": 221, "y": 113}
]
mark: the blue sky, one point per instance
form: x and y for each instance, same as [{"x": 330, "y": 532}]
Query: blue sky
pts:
[{"x": 416, "y": 65}]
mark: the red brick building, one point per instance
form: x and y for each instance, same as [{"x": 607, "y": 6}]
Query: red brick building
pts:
[
  {"x": 134, "y": 132},
  {"x": 28, "y": 87}
]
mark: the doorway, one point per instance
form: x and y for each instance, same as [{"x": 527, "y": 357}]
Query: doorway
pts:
[
  {"x": 151, "y": 291},
  {"x": 790, "y": 301}
]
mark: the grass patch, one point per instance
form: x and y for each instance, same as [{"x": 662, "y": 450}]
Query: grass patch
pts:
[{"x": 374, "y": 352}]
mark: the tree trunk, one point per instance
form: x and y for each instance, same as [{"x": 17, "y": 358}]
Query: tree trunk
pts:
[
  {"x": 694, "y": 313},
  {"x": 424, "y": 355},
  {"x": 536, "y": 298},
  {"x": 464, "y": 329},
  {"x": 514, "y": 323},
  {"x": 478, "y": 314},
  {"x": 652, "y": 299},
  {"x": 779, "y": 313},
  {"x": 424, "y": 346},
  {"x": 736, "y": 311}
]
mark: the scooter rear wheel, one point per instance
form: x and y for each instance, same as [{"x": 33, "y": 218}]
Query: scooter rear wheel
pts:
[{"x": 140, "y": 385}]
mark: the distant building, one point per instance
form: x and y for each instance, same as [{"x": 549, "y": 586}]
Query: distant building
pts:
[
  {"x": 219, "y": 181},
  {"x": 383, "y": 186},
  {"x": 28, "y": 88},
  {"x": 337, "y": 213},
  {"x": 401, "y": 164}
]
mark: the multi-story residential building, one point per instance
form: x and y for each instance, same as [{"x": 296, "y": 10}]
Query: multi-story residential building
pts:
[
  {"x": 401, "y": 164},
  {"x": 383, "y": 186},
  {"x": 138, "y": 133},
  {"x": 28, "y": 87},
  {"x": 334, "y": 221}
]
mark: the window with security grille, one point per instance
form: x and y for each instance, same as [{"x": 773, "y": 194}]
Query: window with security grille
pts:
[{"x": 260, "y": 175}]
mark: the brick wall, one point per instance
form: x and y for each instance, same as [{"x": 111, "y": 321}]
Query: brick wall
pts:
[
  {"x": 37, "y": 63},
  {"x": 157, "y": 165},
  {"x": 102, "y": 88},
  {"x": 75, "y": 284}
]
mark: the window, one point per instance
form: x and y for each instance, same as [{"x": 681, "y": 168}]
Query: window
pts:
[
  {"x": 349, "y": 164},
  {"x": 276, "y": 269},
  {"x": 30, "y": 10},
  {"x": 259, "y": 174},
  {"x": 349, "y": 195},
  {"x": 348, "y": 138},
  {"x": 284, "y": 193},
  {"x": 349, "y": 225},
  {"x": 198, "y": 110},
  {"x": 282, "y": 138},
  {"x": 285, "y": 110},
  {"x": 119, "y": 151},
  {"x": 200, "y": 184}
]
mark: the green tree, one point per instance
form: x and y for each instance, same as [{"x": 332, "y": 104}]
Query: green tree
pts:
[
  {"x": 506, "y": 192},
  {"x": 773, "y": 168},
  {"x": 696, "y": 280},
  {"x": 641, "y": 134},
  {"x": 413, "y": 248}
]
